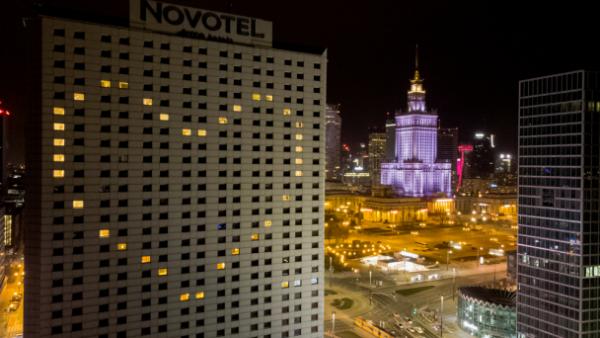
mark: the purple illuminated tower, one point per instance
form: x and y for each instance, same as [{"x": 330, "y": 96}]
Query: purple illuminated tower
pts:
[{"x": 417, "y": 172}]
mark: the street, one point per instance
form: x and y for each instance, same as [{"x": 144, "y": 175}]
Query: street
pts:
[{"x": 11, "y": 302}]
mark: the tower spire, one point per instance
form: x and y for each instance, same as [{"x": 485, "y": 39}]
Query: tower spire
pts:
[{"x": 417, "y": 76}]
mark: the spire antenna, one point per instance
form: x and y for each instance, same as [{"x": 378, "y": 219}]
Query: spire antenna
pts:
[{"x": 417, "y": 57}]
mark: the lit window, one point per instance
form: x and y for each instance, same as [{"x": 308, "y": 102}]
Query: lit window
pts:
[
  {"x": 184, "y": 297},
  {"x": 237, "y": 108},
  {"x": 222, "y": 120},
  {"x": 298, "y": 173},
  {"x": 268, "y": 223},
  {"x": 121, "y": 246},
  {"x": 235, "y": 251},
  {"x": 314, "y": 280},
  {"x": 163, "y": 271},
  {"x": 299, "y": 161},
  {"x": 59, "y": 142},
  {"x": 269, "y": 98},
  {"x": 104, "y": 233},
  {"x": 299, "y": 124},
  {"x": 58, "y": 173},
  {"x": 287, "y": 111},
  {"x": 285, "y": 197},
  {"x": 186, "y": 132},
  {"x": 146, "y": 259},
  {"x": 58, "y": 111},
  {"x": 78, "y": 204},
  {"x": 285, "y": 284},
  {"x": 297, "y": 282},
  {"x": 299, "y": 137},
  {"x": 164, "y": 117},
  {"x": 200, "y": 295},
  {"x": 147, "y": 101},
  {"x": 299, "y": 149},
  {"x": 59, "y": 126},
  {"x": 255, "y": 237},
  {"x": 123, "y": 85},
  {"x": 78, "y": 96},
  {"x": 202, "y": 132},
  {"x": 58, "y": 157},
  {"x": 221, "y": 266},
  {"x": 255, "y": 97},
  {"x": 104, "y": 83}
]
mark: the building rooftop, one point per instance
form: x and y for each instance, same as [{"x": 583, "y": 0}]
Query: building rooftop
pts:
[{"x": 495, "y": 296}]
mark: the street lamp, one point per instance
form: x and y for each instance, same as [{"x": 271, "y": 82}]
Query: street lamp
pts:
[
  {"x": 370, "y": 276},
  {"x": 448, "y": 259},
  {"x": 333, "y": 323},
  {"x": 441, "y": 316},
  {"x": 453, "y": 282}
]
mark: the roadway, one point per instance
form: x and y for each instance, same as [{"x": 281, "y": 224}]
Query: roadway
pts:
[{"x": 11, "y": 321}]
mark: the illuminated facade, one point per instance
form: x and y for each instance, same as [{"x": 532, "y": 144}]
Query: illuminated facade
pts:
[
  {"x": 417, "y": 171},
  {"x": 487, "y": 313},
  {"x": 176, "y": 187}
]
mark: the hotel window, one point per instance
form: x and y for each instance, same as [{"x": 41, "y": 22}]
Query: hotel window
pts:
[
  {"x": 164, "y": 117},
  {"x": 255, "y": 237},
  {"x": 299, "y": 161},
  {"x": 299, "y": 149},
  {"x": 255, "y": 97},
  {"x": 78, "y": 96},
  {"x": 163, "y": 271},
  {"x": 147, "y": 101},
  {"x": 78, "y": 204},
  {"x": 186, "y": 132},
  {"x": 104, "y": 83},
  {"x": 221, "y": 266},
  {"x": 104, "y": 233},
  {"x": 184, "y": 297},
  {"x": 121, "y": 246},
  {"x": 285, "y": 284},
  {"x": 59, "y": 126},
  {"x": 222, "y": 120},
  {"x": 58, "y": 158},
  {"x": 202, "y": 132},
  {"x": 58, "y": 111},
  {"x": 298, "y": 173},
  {"x": 123, "y": 85},
  {"x": 237, "y": 108},
  {"x": 285, "y": 197},
  {"x": 287, "y": 111},
  {"x": 58, "y": 173},
  {"x": 200, "y": 295},
  {"x": 299, "y": 124},
  {"x": 269, "y": 98},
  {"x": 235, "y": 251},
  {"x": 299, "y": 137},
  {"x": 268, "y": 223}
]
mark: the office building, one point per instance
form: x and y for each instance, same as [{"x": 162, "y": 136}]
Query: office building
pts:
[
  {"x": 390, "y": 135},
  {"x": 416, "y": 172},
  {"x": 333, "y": 142},
  {"x": 480, "y": 161},
  {"x": 558, "y": 257},
  {"x": 447, "y": 150},
  {"x": 176, "y": 179},
  {"x": 377, "y": 147}
]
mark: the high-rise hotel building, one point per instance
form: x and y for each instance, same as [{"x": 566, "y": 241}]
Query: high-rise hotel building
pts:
[
  {"x": 177, "y": 179},
  {"x": 559, "y": 206}
]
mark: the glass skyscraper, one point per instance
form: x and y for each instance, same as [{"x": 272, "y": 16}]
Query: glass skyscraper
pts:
[{"x": 559, "y": 237}]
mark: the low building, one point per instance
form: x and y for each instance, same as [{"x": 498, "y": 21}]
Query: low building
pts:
[
  {"x": 511, "y": 266},
  {"x": 393, "y": 210},
  {"x": 489, "y": 313}
]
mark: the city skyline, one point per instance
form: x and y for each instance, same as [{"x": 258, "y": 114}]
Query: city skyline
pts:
[{"x": 491, "y": 39}]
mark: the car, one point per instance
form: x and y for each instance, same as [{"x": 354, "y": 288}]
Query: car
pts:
[
  {"x": 16, "y": 297},
  {"x": 411, "y": 330},
  {"x": 414, "y": 233},
  {"x": 418, "y": 329},
  {"x": 12, "y": 307}
]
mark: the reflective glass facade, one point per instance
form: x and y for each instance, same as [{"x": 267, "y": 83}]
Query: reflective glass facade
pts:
[
  {"x": 487, "y": 312},
  {"x": 559, "y": 237}
]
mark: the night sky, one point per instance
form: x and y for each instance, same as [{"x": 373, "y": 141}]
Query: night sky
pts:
[{"x": 471, "y": 54}]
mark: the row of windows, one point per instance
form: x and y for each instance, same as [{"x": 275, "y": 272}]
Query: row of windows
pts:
[{"x": 60, "y": 32}]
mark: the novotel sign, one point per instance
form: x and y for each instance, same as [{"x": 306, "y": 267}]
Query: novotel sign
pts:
[{"x": 166, "y": 17}]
